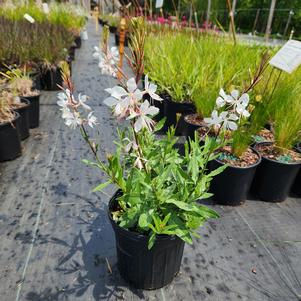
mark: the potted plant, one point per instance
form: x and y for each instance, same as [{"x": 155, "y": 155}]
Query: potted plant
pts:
[
  {"x": 230, "y": 122},
  {"x": 21, "y": 85},
  {"x": 280, "y": 161},
  {"x": 10, "y": 145},
  {"x": 155, "y": 208}
]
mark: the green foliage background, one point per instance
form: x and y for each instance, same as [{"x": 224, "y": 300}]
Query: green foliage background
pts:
[{"x": 245, "y": 13}]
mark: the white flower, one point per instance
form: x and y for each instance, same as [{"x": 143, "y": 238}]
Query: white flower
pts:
[
  {"x": 29, "y": 18},
  {"x": 229, "y": 122},
  {"x": 143, "y": 121},
  {"x": 108, "y": 60},
  {"x": 151, "y": 88},
  {"x": 81, "y": 100},
  {"x": 215, "y": 120},
  {"x": 73, "y": 120},
  {"x": 241, "y": 110},
  {"x": 91, "y": 120},
  {"x": 124, "y": 101}
]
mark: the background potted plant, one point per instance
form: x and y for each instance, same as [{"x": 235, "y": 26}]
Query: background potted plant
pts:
[
  {"x": 280, "y": 162},
  {"x": 155, "y": 209},
  {"x": 10, "y": 146},
  {"x": 231, "y": 121},
  {"x": 21, "y": 85}
]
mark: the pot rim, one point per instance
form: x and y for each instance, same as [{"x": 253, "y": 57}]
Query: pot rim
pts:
[
  {"x": 198, "y": 125},
  {"x": 17, "y": 116},
  {"x": 244, "y": 167},
  {"x": 275, "y": 161},
  {"x": 31, "y": 96},
  {"x": 160, "y": 237}
]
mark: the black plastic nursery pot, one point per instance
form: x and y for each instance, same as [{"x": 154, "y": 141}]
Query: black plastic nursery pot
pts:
[
  {"x": 23, "y": 121},
  {"x": 231, "y": 187},
  {"x": 71, "y": 53},
  {"x": 78, "y": 42},
  {"x": 172, "y": 109},
  {"x": 51, "y": 78},
  {"x": 10, "y": 145},
  {"x": 112, "y": 29},
  {"x": 36, "y": 78},
  {"x": 34, "y": 110},
  {"x": 191, "y": 127},
  {"x": 273, "y": 180},
  {"x": 143, "y": 268},
  {"x": 296, "y": 189}
]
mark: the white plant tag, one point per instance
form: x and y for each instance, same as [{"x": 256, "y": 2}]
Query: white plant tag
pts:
[
  {"x": 159, "y": 3},
  {"x": 45, "y": 8},
  {"x": 29, "y": 18},
  {"x": 288, "y": 58},
  {"x": 85, "y": 35}
]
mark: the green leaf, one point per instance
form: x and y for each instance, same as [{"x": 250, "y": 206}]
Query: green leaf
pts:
[
  {"x": 101, "y": 186},
  {"x": 182, "y": 205},
  {"x": 160, "y": 124},
  {"x": 144, "y": 220}
]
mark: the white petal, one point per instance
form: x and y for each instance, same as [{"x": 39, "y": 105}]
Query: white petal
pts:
[
  {"x": 220, "y": 102},
  {"x": 155, "y": 96},
  {"x": 146, "y": 83},
  {"x": 235, "y": 94},
  {"x": 232, "y": 125},
  {"x": 152, "y": 111},
  {"x": 244, "y": 99},
  {"x": 222, "y": 93},
  {"x": 111, "y": 101},
  {"x": 118, "y": 92},
  {"x": 233, "y": 117},
  {"x": 138, "y": 124},
  {"x": 144, "y": 106},
  {"x": 131, "y": 85}
]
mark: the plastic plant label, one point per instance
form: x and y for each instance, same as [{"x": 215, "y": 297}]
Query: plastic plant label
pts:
[
  {"x": 288, "y": 58},
  {"x": 45, "y": 8},
  {"x": 159, "y": 3},
  {"x": 29, "y": 18}
]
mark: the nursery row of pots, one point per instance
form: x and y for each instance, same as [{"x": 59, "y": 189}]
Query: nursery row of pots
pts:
[
  {"x": 27, "y": 116},
  {"x": 266, "y": 179},
  {"x": 13, "y": 132}
]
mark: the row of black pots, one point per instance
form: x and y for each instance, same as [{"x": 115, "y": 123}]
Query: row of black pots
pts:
[
  {"x": 268, "y": 180},
  {"x": 11, "y": 133}
]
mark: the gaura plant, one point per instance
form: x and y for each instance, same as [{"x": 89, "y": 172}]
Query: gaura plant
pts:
[
  {"x": 230, "y": 120},
  {"x": 159, "y": 188}
]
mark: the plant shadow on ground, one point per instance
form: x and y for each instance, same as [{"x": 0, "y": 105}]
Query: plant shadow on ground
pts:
[{"x": 92, "y": 261}]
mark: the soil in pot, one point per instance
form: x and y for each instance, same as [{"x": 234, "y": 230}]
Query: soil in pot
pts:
[
  {"x": 194, "y": 122},
  {"x": 175, "y": 113},
  {"x": 34, "y": 110},
  {"x": 276, "y": 173},
  {"x": 296, "y": 189},
  {"x": 51, "y": 78},
  {"x": 264, "y": 135},
  {"x": 232, "y": 186},
  {"x": 10, "y": 145},
  {"x": 23, "y": 122},
  {"x": 143, "y": 268}
]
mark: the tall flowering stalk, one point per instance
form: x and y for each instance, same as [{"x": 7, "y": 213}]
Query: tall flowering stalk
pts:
[{"x": 125, "y": 100}]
